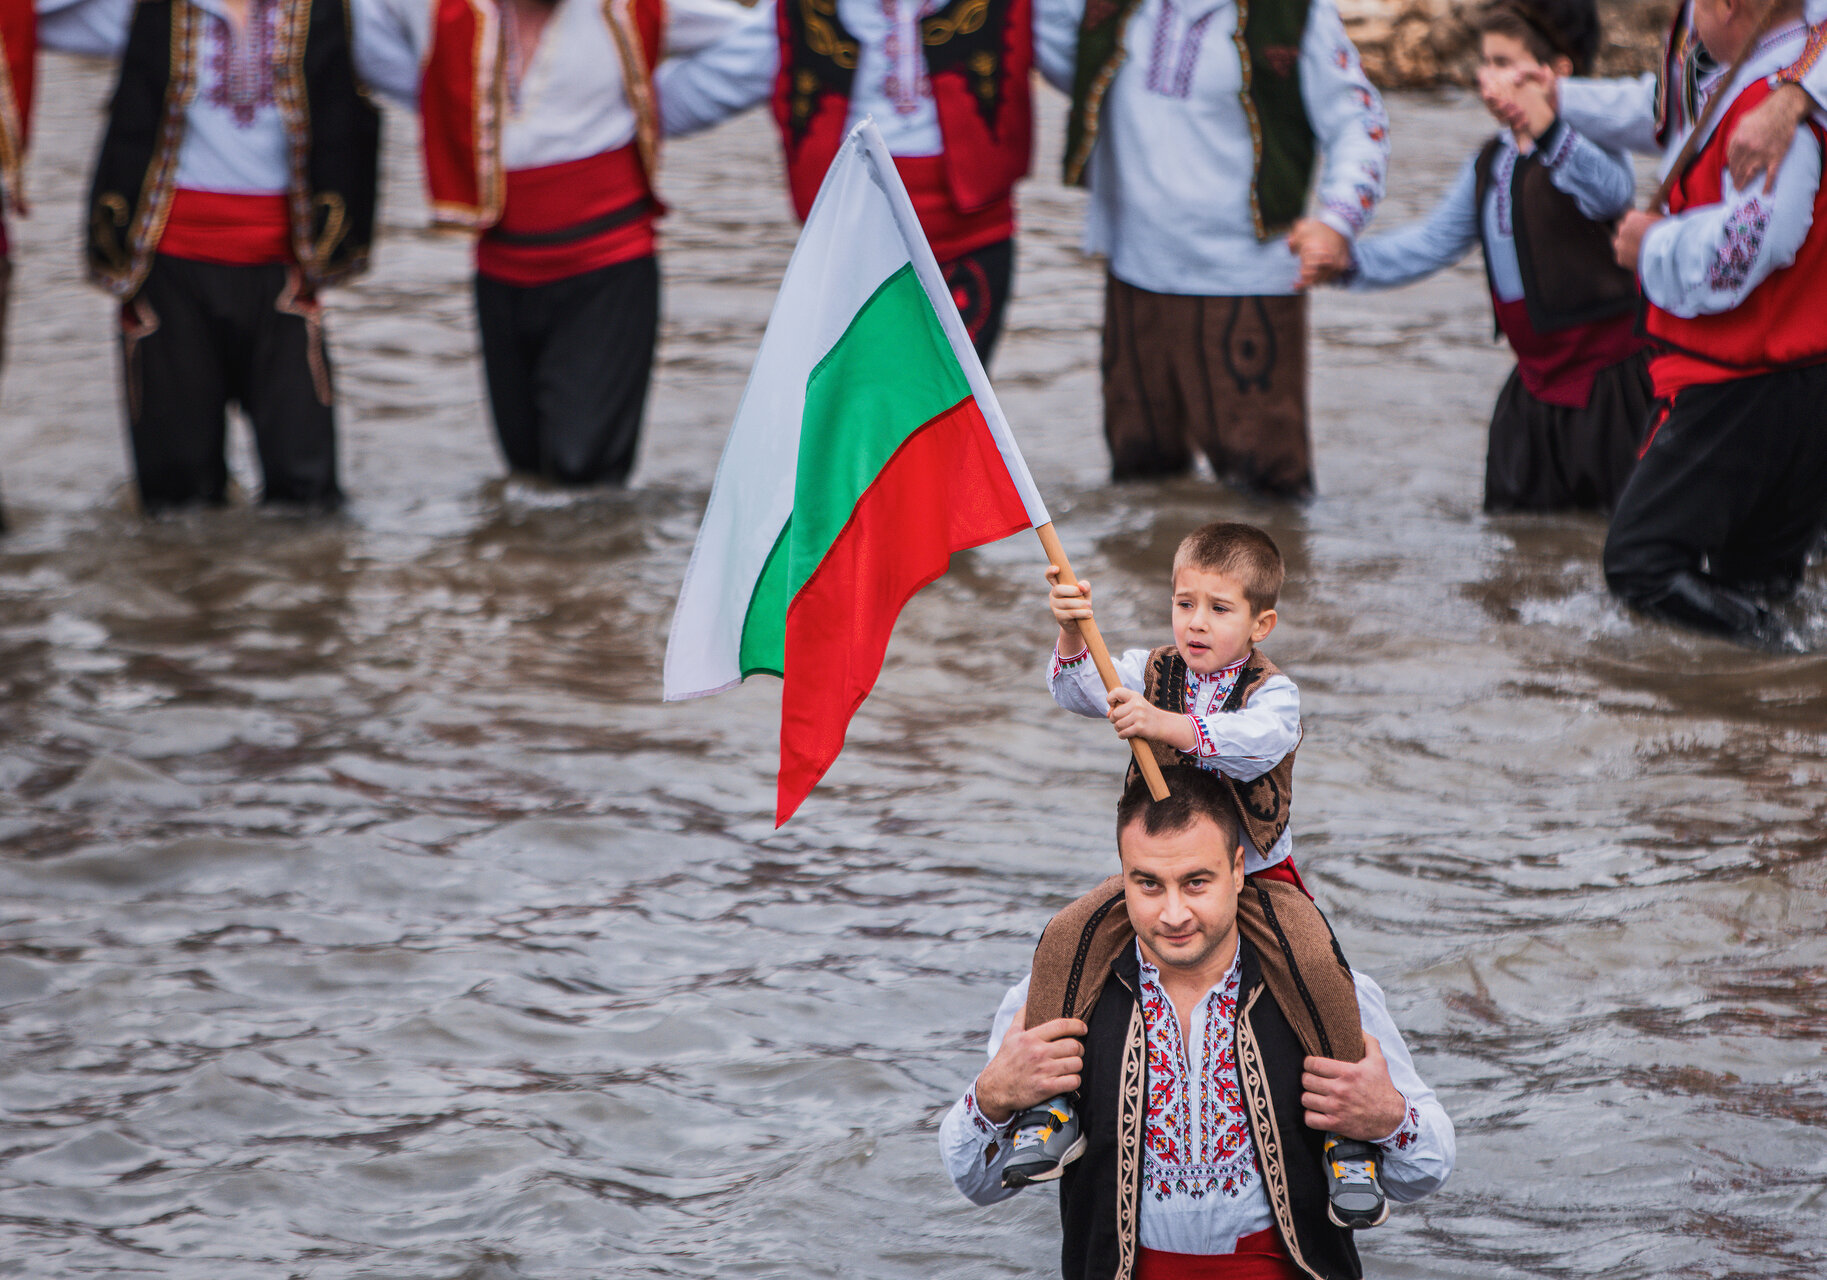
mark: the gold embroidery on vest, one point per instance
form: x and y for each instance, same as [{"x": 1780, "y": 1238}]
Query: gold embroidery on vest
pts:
[
  {"x": 1132, "y": 1109},
  {"x": 1259, "y": 1106}
]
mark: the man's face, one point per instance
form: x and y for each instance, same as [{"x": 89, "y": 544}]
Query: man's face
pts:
[
  {"x": 1181, "y": 889},
  {"x": 1214, "y": 625}
]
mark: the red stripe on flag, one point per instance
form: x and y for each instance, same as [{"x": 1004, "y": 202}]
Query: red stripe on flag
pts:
[{"x": 946, "y": 489}]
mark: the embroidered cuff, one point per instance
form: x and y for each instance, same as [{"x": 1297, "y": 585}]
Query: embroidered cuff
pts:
[
  {"x": 981, "y": 1127},
  {"x": 1798, "y": 70},
  {"x": 1407, "y": 1134},
  {"x": 1066, "y": 664},
  {"x": 1346, "y": 219},
  {"x": 1207, "y": 747}
]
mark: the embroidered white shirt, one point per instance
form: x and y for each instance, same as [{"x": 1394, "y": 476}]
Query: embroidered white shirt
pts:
[
  {"x": 571, "y": 101},
  {"x": 1242, "y": 744},
  {"x": 891, "y": 82},
  {"x": 1708, "y": 259},
  {"x": 1202, "y": 1187},
  {"x": 1170, "y": 195}
]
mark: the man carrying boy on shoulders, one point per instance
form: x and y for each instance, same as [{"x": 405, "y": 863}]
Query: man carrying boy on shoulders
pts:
[
  {"x": 1203, "y": 1116},
  {"x": 1731, "y": 489}
]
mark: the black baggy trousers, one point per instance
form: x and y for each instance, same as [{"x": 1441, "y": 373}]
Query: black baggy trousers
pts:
[
  {"x": 1725, "y": 502},
  {"x": 200, "y": 334},
  {"x": 568, "y": 364}
]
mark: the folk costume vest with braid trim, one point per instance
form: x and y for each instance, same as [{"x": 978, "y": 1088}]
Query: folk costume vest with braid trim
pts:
[
  {"x": 1570, "y": 272},
  {"x": 1100, "y": 1195},
  {"x": 1269, "y": 35},
  {"x": 978, "y": 56},
  {"x": 333, "y": 133},
  {"x": 1263, "y": 804},
  {"x": 1781, "y": 324},
  {"x": 18, "y": 66},
  {"x": 463, "y": 98}
]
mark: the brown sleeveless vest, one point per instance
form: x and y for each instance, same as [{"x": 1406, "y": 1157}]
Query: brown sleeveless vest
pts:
[{"x": 1262, "y": 804}]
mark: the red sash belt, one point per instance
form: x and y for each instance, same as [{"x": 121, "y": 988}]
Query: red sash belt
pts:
[
  {"x": 561, "y": 220},
  {"x": 234, "y": 230},
  {"x": 1559, "y": 368},
  {"x": 1258, "y": 1257},
  {"x": 952, "y": 234}
]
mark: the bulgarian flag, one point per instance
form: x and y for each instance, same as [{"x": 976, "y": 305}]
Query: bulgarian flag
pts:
[{"x": 868, "y": 447}]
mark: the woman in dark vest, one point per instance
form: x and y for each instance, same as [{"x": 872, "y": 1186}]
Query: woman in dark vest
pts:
[
  {"x": 1201, "y": 1159},
  {"x": 1543, "y": 200},
  {"x": 236, "y": 178}
]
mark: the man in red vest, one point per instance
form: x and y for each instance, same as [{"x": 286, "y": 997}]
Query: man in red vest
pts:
[
  {"x": 1731, "y": 489},
  {"x": 18, "y": 62},
  {"x": 947, "y": 82},
  {"x": 560, "y": 187}
]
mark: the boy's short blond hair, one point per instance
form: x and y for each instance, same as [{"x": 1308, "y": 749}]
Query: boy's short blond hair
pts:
[{"x": 1240, "y": 551}]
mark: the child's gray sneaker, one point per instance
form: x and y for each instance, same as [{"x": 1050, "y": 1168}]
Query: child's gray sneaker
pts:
[
  {"x": 1047, "y": 1139},
  {"x": 1354, "y": 1197}
]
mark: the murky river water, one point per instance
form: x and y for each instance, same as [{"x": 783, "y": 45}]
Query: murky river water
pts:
[{"x": 365, "y": 913}]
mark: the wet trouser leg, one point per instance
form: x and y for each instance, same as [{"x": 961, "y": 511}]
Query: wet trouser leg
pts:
[
  {"x": 1724, "y": 504},
  {"x": 199, "y": 334},
  {"x": 980, "y": 282},
  {"x": 568, "y": 366}
]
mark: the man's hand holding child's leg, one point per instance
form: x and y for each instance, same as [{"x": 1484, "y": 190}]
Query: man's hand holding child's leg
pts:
[
  {"x": 1032, "y": 1065},
  {"x": 1071, "y": 605},
  {"x": 1134, "y": 716}
]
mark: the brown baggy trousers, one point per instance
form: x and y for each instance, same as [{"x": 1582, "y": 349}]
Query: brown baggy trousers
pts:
[
  {"x": 1301, "y": 963},
  {"x": 1225, "y": 375}
]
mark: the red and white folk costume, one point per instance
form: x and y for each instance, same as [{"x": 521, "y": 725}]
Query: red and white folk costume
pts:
[
  {"x": 947, "y": 82},
  {"x": 1727, "y": 498},
  {"x": 237, "y": 175},
  {"x": 541, "y": 134}
]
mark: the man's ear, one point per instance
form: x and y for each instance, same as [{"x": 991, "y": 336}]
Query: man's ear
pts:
[
  {"x": 1562, "y": 66},
  {"x": 1237, "y": 863}
]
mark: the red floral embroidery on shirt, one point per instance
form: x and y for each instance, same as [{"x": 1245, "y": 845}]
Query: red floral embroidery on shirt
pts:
[{"x": 1220, "y": 1157}]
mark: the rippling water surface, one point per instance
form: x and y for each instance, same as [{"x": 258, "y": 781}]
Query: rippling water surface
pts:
[{"x": 364, "y": 913}]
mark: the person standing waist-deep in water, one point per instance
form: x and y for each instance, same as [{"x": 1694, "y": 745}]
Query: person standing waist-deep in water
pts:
[
  {"x": 561, "y": 188},
  {"x": 1543, "y": 202},
  {"x": 1196, "y": 125},
  {"x": 1202, "y": 1110},
  {"x": 1730, "y": 494},
  {"x": 236, "y": 179}
]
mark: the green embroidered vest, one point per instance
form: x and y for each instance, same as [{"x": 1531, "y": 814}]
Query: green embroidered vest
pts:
[{"x": 1268, "y": 42}]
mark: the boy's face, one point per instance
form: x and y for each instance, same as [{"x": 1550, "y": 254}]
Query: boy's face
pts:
[
  {"x": 1500, "y": 58},
  {"x": 1214, "y": 625}
]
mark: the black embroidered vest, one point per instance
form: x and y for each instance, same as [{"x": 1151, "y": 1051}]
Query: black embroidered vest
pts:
[
  {"x": 333, "y": 131},
  {"x": 1570, "y": 272},
  {"x": 1264, "y": 803},
  {"x": 1100, "y": 1196}
]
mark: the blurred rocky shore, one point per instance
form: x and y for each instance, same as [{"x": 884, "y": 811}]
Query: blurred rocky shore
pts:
[{"x": 1411, "y": 44}]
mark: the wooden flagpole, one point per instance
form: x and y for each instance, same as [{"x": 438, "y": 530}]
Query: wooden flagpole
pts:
[
  {"x": 1094, "y": 641},
  {"x": 1692, "y": 146}
]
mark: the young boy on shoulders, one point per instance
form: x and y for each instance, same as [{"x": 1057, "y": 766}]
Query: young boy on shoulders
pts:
[
  {"x": 1209, "y": 699},
  {"x": 1543, "y": 202},
  {"x": 1727, "y": 499}
]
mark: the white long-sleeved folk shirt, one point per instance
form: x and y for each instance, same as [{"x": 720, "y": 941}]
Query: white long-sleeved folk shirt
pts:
[
  {"x": 1170, "y": 172},
  {"x": 1201, "y": 1186},
  {"x": 1243, "y": 744}
]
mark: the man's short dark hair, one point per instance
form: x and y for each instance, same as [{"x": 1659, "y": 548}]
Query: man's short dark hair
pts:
[
  {"x": 1240, "y": 551},
  {"x": 1192, "y": 794}
]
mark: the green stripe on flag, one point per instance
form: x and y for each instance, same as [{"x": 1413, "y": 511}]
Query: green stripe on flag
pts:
[{"x": 891, "y": 373}]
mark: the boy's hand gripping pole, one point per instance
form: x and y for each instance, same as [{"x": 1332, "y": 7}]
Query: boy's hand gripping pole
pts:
[{"x": 1094, "y": 641}]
